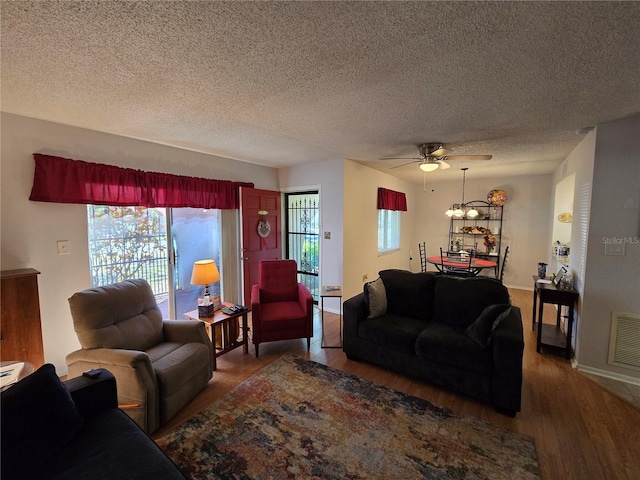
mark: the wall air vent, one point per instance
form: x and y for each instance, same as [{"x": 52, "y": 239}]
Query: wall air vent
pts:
[{"x": 624, "y": 343}]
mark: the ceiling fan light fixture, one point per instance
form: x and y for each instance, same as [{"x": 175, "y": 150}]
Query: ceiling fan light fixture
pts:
[{"x": 428, "y": 166}]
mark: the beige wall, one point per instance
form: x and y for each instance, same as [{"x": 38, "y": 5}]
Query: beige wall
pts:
[
  {"x": 30, "y": 230},
  {"x": 610, "y": 283},
  {"x": 361, "y": 226}
]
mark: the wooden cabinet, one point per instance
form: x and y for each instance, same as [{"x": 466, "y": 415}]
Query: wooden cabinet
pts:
[{"x": 20, "y": 329}]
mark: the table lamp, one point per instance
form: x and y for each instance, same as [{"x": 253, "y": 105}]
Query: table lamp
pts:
[{"x": 204, "y": 273}]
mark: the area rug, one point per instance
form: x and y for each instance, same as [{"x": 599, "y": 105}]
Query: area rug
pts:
[{"x": 303, "y": 420}]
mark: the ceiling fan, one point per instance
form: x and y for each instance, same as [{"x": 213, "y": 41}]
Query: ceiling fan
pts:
[{"x": 433, "y": 156}]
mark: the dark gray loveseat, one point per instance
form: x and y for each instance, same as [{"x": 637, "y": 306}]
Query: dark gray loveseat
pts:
[
  {"x": 458, "y": 333},
  {"x": 74, "y": 430}
]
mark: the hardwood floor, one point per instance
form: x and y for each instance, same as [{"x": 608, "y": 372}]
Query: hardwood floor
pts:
[{"x": 581, "y": 431}]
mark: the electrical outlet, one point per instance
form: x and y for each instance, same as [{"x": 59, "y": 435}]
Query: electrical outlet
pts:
[
  {"x": 327, "y": 235},
  {"x": 64, "y": 247}
]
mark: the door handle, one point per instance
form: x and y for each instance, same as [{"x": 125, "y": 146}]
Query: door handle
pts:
[{"x": 244, "y": 258}]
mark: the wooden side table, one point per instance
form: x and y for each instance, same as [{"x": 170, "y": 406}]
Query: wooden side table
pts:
[
  {"x": 331, "y": 292},
  {"x": 550, "y": 335},
  {"x": 228, "y": 340}
]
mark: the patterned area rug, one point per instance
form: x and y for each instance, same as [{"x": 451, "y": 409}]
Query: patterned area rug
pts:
[{"x": 301, "y": 419}]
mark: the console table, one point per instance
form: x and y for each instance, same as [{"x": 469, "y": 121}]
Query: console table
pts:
[
  {"x": 551, "y": 335},
  {"x": 222, "y": 325},
  {"x": 331, "y": 292}
]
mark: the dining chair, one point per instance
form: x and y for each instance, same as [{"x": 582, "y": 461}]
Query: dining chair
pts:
[
  {"x": 504, "y": 262},
  {"x": 422, "y": 248},
  {"x": 471, "y": 248},
  {"x": 464, "y": 270}
]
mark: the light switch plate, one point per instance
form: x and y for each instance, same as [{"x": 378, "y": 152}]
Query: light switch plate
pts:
[
  {"x": 64, "y": 247},
  {"x": 327, "y": 235}
]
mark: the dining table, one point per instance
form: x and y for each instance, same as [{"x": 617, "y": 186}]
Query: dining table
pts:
[{"x": 454, "y": 265}]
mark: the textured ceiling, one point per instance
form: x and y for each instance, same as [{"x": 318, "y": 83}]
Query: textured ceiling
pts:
[{"x": 286, "y": 83}]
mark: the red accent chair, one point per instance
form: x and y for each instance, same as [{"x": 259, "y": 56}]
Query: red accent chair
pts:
[{"x": 281, "y": 307}]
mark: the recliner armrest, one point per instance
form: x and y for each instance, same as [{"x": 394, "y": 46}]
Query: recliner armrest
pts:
[
  {"x": 184, "y": 331},
  {"x": 93, "y": 395},
  {"x": 110, "y": 356},
  {"x": 188, "y": 331}
]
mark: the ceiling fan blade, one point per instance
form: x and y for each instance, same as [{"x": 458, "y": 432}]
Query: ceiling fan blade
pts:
[
  {"x": 440, "y": 152},
  {"x": 468, "y": 157},
  {"x": 399, "y": 158},
  {"x": 408, "y": 163},
  {"x": 444, "y": 165}
]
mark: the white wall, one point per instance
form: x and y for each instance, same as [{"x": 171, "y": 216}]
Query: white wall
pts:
[
  {"x": 611, "y": 282},
  {"x": 525, "y": 225},
  {"x": 30, "y": 230},
  {"x": 328, "y": 178},
  {"x": 361, "y": 226}
]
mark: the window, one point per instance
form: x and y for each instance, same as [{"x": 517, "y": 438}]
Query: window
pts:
[
  {"x": 128, "y": 242},
  {"x": 388, "y": 231}
]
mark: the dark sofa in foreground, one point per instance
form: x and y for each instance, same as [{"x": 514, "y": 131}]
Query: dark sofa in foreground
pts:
[
  {"x": 458, "y": 333},
  {"x": 74, "y": 430}
]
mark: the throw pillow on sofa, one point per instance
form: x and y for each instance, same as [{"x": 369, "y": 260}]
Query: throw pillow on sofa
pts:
[
  {"x": 481, "y": 329},
  {"x": 38, "y": 419},
  {"x": 375, "y": 297}
]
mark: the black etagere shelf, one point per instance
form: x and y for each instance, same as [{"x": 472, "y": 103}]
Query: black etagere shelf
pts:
[{"x": 466, "y": 233}]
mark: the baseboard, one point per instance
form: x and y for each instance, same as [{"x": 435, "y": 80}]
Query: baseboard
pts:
[{"x": 607, "y": 374}]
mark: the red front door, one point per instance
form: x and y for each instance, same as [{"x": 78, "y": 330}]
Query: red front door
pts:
[{"x": 260, "y": 214}]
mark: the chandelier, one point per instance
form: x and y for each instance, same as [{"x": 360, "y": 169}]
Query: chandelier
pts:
[{"x": 459, "y": 210}]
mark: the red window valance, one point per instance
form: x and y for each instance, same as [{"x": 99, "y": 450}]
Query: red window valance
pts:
[
  {"x": 62, "y": 180},
  {"x": 391, "y": 200}
]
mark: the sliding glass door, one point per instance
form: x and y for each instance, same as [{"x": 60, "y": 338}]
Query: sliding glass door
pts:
[
  {"x": 195, "y": 235},
  {"x": 157, "y": 244}
]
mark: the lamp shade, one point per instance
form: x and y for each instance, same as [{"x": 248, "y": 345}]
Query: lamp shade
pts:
[
  {"x": 204, "y": 272},
  {"x": 473, "y": 213}
]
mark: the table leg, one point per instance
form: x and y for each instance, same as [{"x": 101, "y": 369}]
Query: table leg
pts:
[
  {"x": 322, "y": 320},
  {"x": 213, "y": 340},
  {"x": 245, "y": 332},
  {"x": 535, "y": 299},
  {"x": 340, "y": 322},
  {"x": 569, "y": 332},
  {"x": 539, "y": 342}
]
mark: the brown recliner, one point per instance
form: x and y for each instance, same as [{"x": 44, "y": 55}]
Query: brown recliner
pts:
[{"x": 159, "y": 365}]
